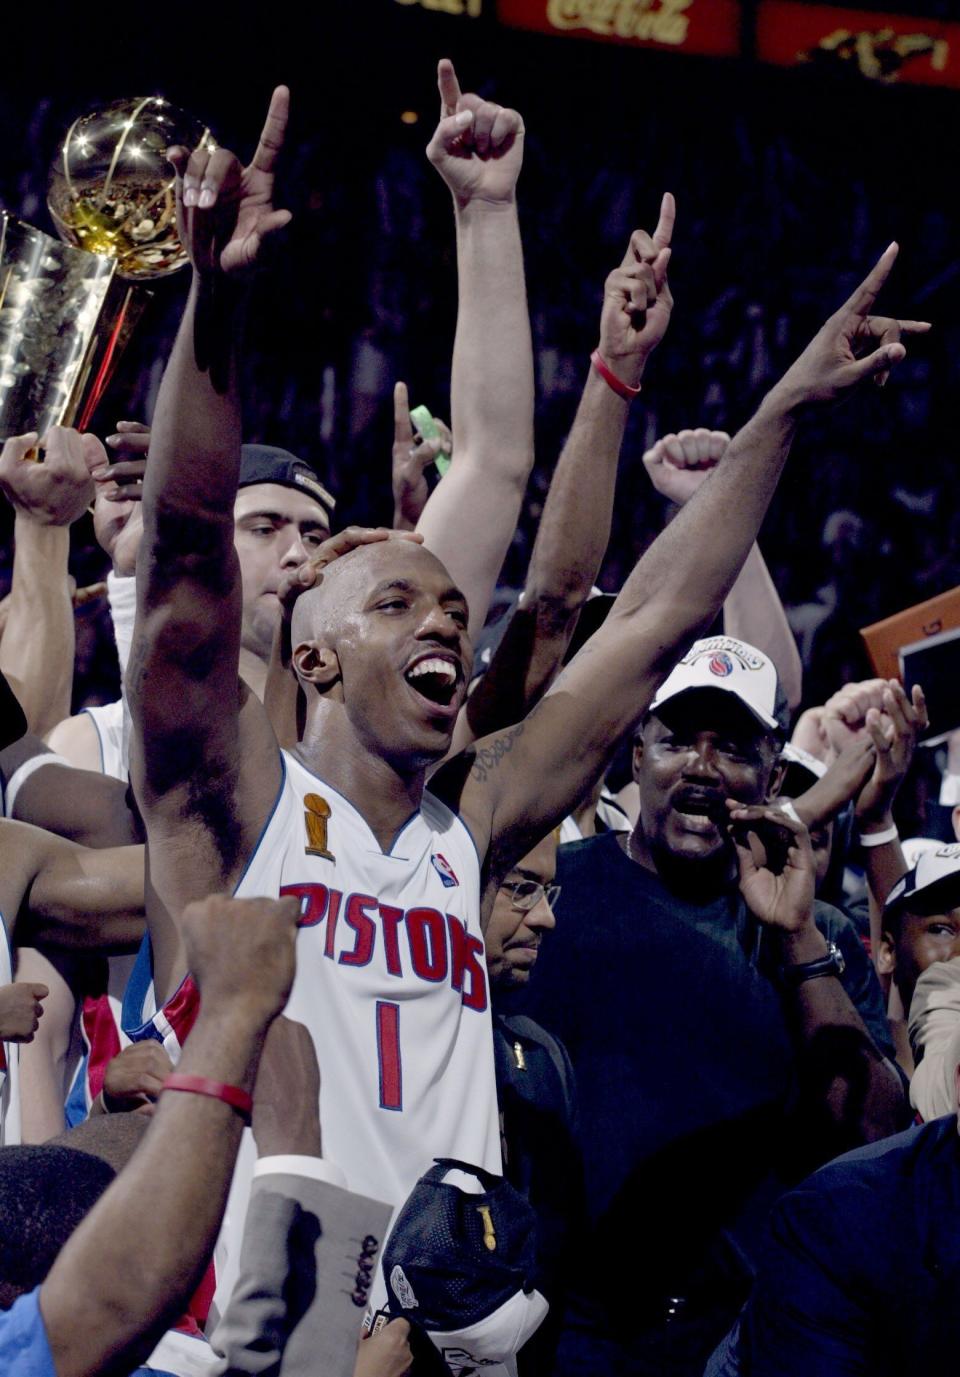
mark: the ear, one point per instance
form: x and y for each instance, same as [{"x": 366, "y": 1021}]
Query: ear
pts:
[
  {"x": 955, "y": 819},
  {"x": 316, "y": 664},
  {"x": 637, "y": 756},
  {"x": 886, "y": 955},
  {"x": 777, "y": 776}
]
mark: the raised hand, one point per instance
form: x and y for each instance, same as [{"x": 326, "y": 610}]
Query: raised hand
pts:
[
  {"x": 894, "y": 730},
  {"x": 844, "y": 779},
  {"x": 117, "y": 514},
  {"x": 477, "y": 147},
  {"x": 58, "y": 491},
  {"x": 225, "y": 210},
  {"x": 678, "y": 464},
  {"x": 242, "y": 953},
  {"x": 777, "y": 867},
  {"x": 21, "y": 1009},
  {"x": 852, "y": 346},
  {"x": 637, "y": 301},
  {"x": 411, "y": 459}
]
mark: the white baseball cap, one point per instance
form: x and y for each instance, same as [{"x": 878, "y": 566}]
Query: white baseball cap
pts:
[
  {"x": 731, "y": 666},
  {"x": 932, "y": 886}
]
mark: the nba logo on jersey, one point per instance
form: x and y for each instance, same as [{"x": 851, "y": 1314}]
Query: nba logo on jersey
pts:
[{"x": 445, "y": 870}]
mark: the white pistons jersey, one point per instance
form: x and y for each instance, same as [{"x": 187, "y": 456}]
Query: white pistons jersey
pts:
[{"x": 391, "y": 982}]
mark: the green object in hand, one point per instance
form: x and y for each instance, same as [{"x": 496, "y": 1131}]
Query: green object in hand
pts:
[{"x": 422, "y": 420}]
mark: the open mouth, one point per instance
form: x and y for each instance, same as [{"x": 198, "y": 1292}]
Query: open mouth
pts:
[
  {"x": 700, "y": 812},
  {"x": 434, "y": 679}
]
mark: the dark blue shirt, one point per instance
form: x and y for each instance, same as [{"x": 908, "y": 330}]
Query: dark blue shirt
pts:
[{"x": 686, "y": 1070}]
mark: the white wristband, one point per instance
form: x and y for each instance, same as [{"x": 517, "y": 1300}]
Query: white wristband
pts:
[
  {"x": 879, "y": 838},
  {"x": 122, "y": 596}
]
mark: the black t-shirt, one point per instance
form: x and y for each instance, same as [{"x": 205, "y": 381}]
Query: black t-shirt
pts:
[{"x": 686, "y": 1072}]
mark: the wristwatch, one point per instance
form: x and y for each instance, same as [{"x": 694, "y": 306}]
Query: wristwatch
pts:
[{"x": 831, "y": 964}]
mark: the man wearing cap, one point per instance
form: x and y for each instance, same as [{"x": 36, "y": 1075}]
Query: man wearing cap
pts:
[
  {"x": 281, "y": 515},
  {"x": 726, "y": 1029},
  {"x": 920, "y": 949}
]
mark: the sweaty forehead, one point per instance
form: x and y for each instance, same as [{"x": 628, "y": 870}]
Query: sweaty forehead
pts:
[{"x": 357, "y": 574}]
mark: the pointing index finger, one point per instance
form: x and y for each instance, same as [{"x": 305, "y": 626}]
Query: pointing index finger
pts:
[
  {"x": 866, "y": 294},
  {"x": 449, "y": 87},
  {"x": 402, "y": 429},
  {"x": 663, "y": 234},
  {"x": 273, "y": 132}
]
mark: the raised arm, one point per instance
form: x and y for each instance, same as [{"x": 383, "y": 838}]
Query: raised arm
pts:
[
  {"x": 198, "y": 735},
  {"x": 37, "y": 647},
  {"x": 878, "y": 711},
  {"x": 523, "y": 781},
  {"x": 574, "y": 529},
  {"x": 106, "y": 1302},
  {"x": 470, "y": 517},
  {"x": 677, "y": 465}
]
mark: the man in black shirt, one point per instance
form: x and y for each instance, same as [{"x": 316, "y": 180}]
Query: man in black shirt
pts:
[{"x": 726, "y": 1029}]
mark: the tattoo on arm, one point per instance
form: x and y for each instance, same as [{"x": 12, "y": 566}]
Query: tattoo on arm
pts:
[{"x": 490, "y": 754}]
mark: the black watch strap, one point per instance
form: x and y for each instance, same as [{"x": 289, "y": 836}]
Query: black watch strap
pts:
[{"x": 831, "y": 964}]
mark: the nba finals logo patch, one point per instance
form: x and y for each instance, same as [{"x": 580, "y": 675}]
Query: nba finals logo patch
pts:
[
  {"x": 316, "y": 817},
  {"x": 721, "y": 665},
  {"x": 445, "y": 870}
]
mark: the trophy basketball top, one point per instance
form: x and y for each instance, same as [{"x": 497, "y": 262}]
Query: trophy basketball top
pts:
[{"x": 112, "y": 189}]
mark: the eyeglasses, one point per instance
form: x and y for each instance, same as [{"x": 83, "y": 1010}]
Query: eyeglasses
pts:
[{"x": 526, "y": 894}]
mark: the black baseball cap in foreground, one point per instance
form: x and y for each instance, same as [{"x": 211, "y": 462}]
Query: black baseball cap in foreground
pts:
[
  {"x": 13, "y": 724},
  {"x": 461, "y": 1266},
  {"x": 267, "y": 464},
  {"x": 932, "y": 886}
]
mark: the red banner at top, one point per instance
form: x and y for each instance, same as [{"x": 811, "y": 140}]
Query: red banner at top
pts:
[
  {"x": 711, "y": 27},
  {"x": 882, "y": 47}
]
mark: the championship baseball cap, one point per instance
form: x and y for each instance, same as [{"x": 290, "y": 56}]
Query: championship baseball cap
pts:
[
  {"x": 460, "y": 1264},
  {"x": 267, "y": 464},
  {"x": 729, "y": 666},
  {"x": 13, "y": 724},
  {"x": 932, "y": 886}
]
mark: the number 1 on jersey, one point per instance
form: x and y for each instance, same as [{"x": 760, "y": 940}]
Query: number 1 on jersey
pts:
[{"x": 388, "y": 1055}]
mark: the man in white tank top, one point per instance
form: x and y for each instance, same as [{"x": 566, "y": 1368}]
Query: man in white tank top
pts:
[{"x": 392, "y": 879}]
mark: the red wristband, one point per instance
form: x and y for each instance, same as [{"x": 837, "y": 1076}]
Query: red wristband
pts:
[
  {"x": 200, "y": 1085},
  {"x": 621, "y": 388}
]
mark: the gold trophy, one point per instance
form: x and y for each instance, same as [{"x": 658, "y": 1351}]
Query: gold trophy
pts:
[{"x": 68, "y": 308}]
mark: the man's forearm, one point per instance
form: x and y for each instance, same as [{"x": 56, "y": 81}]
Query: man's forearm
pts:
[
  {"x": 195, "y": 438},
  {"x": 571, "y": 541},
  {"x": 37, "y": 649},
  {"x": 471, "y": 516},
  {"x": 574, "y": 529},
  {"x": 754, "y": 613},
  {"x": 861, "y": 1092},
  {"x": 680, "y": 584},
  {"x": 109, "y": 1326}
]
